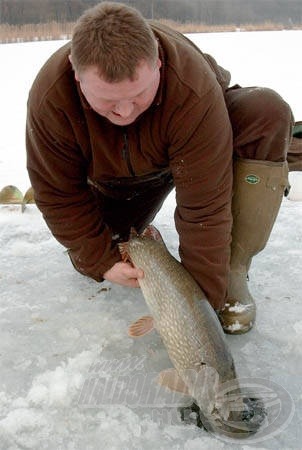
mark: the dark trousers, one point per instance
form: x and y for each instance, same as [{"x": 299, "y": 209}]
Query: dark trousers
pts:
[
  {"x": 136, "y": 212},
  {"x": 262, "y": 123}
]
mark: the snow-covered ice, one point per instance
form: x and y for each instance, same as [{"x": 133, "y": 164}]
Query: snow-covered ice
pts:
[{"x": 59, "y": 331}]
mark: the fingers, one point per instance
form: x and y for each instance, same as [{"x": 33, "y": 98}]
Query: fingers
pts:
[
  {"x": 129, "y": 277},
  {"x": 135, "y": 273},
  {"x": 124, "y": 274},
  {"x": 140, "y": 273},
  {"x": 131, "y": 282}
]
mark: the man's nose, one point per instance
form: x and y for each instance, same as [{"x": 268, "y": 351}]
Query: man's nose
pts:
[{"x": 124, "y": 108}]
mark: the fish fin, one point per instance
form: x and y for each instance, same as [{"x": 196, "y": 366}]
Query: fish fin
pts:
[
  {"x": 123, "y": 249},
  {"x": 153, "y": 233},
  {"x": 170, "y": 379},
  {"x": 123, "y": 246},
  {"x": 141, "y": 327}
]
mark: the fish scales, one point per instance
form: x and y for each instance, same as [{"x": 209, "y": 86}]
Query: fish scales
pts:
[{"x": 174, "y": 299}]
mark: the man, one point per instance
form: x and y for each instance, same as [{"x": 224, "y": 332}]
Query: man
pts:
[{"x": 128, "y": 111}]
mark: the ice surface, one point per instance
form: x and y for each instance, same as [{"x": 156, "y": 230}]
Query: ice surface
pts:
[{"x": 60, "y": 330}]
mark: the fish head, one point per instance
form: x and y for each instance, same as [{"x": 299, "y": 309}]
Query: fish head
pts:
[
  {"x": 242, "y": 423},
  {"x": 223, "y": 407},
  {"x": 236, "y": 415}
]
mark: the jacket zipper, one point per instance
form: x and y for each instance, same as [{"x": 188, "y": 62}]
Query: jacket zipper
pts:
[{"x": 126, "y": 154}]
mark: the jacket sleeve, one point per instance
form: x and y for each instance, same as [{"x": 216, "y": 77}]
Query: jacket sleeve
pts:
[
  {"x": 57, "y": 170},
  {"x": 201, "y": 161}
]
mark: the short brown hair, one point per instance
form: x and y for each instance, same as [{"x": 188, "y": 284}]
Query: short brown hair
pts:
[{"x": 115, "y": 38}]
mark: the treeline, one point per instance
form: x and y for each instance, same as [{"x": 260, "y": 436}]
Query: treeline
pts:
[{"x": 211, "y": 12}]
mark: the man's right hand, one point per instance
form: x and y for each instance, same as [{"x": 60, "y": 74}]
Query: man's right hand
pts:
[{"x": 125, "y": 274}]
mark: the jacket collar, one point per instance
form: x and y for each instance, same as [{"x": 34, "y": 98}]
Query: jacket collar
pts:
[{"x": 159, "y": 95}]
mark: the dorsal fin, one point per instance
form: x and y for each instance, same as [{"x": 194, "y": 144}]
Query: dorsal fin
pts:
[{"x": 152, "y": 233}]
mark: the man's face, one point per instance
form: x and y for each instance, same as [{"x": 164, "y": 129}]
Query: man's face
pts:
[{"x": 120, "y": 102}]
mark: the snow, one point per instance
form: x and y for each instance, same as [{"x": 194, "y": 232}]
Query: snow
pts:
[
  {"x": 60, "y": 331},
  {"x": 295, "y": 180},
  {"x": 239, "y": 307}
]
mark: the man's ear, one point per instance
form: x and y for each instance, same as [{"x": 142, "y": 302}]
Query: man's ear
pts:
[
  {"x": 75, "y": 73},
  {"x": 158, "y": 62}
]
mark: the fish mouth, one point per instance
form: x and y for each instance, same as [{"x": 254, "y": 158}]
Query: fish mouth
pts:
[
  {"x": 243, "y": 424},
  {"x": 240, "y": 424}
]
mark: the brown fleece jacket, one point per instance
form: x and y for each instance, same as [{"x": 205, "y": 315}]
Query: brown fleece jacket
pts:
[{"x": 186, "y": 130}]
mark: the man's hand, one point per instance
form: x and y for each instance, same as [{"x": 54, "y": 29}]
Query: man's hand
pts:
[{"x": 125, "y": 274}]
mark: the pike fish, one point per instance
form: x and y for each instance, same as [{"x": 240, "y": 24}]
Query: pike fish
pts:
[{"x": 193, "y": 337}]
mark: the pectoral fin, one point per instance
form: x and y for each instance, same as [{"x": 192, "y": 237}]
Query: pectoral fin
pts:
[
  {"x": 141, "y": 327},
  {"x": 170, "y": 379}
]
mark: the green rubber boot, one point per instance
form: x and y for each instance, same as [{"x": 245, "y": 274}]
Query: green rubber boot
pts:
[
  {"x": 294, "y": 154},
  {"x": 258, "y": 191}
]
